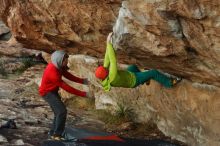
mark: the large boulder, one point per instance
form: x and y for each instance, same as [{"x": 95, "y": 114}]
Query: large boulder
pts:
[
  {"x": 179, "y": 37},
  {"x": 77, "y": 26},
  {"x": 188, "y": 112}
]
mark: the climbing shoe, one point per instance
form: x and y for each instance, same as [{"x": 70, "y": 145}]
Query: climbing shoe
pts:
[
  {"x": 175, "y": 80},
  {"x": 147, "y": 82}
]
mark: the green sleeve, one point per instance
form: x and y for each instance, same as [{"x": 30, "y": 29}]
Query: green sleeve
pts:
[
  {"x": 106, "y": 60},
  {"x": 113, "y": 63}
]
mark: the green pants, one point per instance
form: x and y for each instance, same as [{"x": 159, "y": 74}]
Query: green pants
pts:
[{"x": 142, "y": 77}]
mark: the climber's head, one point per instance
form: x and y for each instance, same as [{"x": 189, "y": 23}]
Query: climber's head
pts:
[
  {"x": 60, "y": 59},
  {"x": 101, "y": 72}
]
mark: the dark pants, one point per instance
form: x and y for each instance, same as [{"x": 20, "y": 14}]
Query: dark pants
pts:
[
  {"x": 144, "y": 76},
  {"x": 60, "y": 112}
]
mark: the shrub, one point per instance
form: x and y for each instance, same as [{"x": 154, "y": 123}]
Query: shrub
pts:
[
  {"x": 121, "y": 115},
  {"x": 124, "y": 112}
]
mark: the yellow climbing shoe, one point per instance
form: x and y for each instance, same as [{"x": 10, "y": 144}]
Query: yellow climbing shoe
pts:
[{"x": 176, "y": 80}]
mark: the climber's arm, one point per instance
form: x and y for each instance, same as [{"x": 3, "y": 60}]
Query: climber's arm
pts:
[
  {"x": 113, "y": 63},
  {"x": 106, "y": 60}
]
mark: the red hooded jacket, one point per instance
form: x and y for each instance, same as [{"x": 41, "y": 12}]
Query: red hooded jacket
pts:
[{"x": 52, "y": 80}]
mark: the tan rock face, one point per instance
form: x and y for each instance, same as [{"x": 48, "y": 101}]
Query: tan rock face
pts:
[
  {"x": 72, "y": 25},
  {"x": 179, "y": 37}
]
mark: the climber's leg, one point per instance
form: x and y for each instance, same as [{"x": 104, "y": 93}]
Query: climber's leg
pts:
[
  {"x": 145, "y": 76},
  {"x": 133, "y": 68}
]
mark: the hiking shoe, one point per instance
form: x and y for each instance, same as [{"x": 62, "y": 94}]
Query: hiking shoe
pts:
[
  {"x": 176, "y": 80},
  {"x": 50, "y": 134},
  {"x": 68, "y": 137},
  {"x": 57, "y": 137}
]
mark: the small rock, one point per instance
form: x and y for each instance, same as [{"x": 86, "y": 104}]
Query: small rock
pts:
[
  {"x": 19, "y": 142},
  {"x": 3, "y": 139},
  {"x": 19, "y": 90},
  {"x": 127, "y": 126},
  {"x": 31, "y": 122}
]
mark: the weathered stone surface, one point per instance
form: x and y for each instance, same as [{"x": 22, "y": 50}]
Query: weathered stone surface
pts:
[
  {"x": 4, "y": 32},
  {"x": 12, "y": 48},
  {"x": 19, "y": 142},
  {"x": 179, "y": 37},
  {"x": 188, "y": 112},
  {"x": 71, "y": 25},
  {"x": 3, "y": 139}
]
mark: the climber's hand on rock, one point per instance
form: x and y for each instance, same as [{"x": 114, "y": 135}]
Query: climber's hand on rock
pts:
[
  {"x": 86, "y": 82},
  {"x": 109, "y": 38}
]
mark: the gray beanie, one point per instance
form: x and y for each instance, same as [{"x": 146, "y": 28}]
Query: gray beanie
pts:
[{"x": 57, "y": 58}]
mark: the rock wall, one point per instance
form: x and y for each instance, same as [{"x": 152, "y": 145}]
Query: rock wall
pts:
[
  {"x": 4, "y": 32},
  {"x": 188, "y": 112},
  {"x": 53, "y": 24},
  {"x": 177, "y": 36}
]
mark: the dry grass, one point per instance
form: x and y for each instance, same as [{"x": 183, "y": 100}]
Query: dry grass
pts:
[
  {"x": 81, "y": 103},
  {"x": 122, "y": 115}
]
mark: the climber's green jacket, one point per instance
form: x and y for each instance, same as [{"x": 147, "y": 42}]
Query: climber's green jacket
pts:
[{"x": 116, "y": 78}]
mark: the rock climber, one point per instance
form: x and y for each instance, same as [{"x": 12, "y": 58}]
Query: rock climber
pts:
[{"x": 110, "y": 76}]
